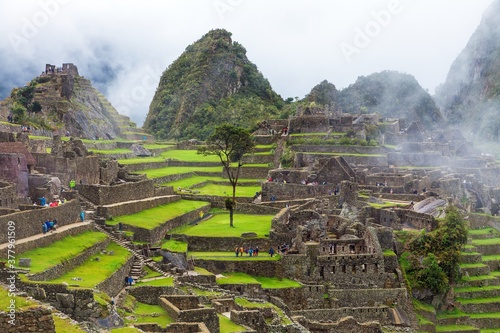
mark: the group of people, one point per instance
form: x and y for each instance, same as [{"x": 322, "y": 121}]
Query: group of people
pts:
[
  {"x": 54, "y": 203},
  {"x": 251, "y": 251},
  {"x": 49, "y": 226}
]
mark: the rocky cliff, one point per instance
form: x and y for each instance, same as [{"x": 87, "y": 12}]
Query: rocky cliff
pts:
[
  {"x": 470, "y": 97},
  {"x": 62, "y": 100},
  {"x": 212, "y": 82}
]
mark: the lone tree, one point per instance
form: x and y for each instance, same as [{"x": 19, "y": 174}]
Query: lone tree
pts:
[{"x": 230, "y": 143}]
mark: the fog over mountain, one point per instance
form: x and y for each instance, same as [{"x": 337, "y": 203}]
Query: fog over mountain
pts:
[{"x": 124, "y": 46}]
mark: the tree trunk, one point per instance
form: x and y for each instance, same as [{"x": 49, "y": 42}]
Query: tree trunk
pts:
[{"x": 231, "y": 210}]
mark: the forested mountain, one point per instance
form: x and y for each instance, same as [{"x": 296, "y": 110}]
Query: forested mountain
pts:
[
  {"x": 212, "y": 82},
  {"x": 470, "y": 97},
  {"x": 391, "y": 94}
]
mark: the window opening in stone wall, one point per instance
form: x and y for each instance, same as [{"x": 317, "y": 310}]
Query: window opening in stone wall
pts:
[
  {"x": 333, "y": 269},
  {"x": 376, "y": 268},
  {"x": 353, "y": 269},
  {"x": 343, "y": 268}
]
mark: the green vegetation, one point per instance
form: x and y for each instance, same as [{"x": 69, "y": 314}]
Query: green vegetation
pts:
[
  {"x": 211, "y": 83},
  {"x": 111, "y": 151},
  {"x": 20, "y": 302},
  {"x": 69, "y": 247},
  {"x": 227, "y": 326},
  {"x": 64, "y": 325},
  {"x": 251, "y": 305},
  {"x": 265, "y": 282},
  {"x": 389, "y": 253},
  {"x": 229, "y": 143},
  {"x": 433, "y": 258},
  {"x": 161, "y": 282},
  {"x": 224, "y": 191},
  {"x": 153, "y": 217},
  {"x": 125, "y": 330},
  {"x": 217, "y": 226},
  {"x": 92, "y": 271},
  {"x": 150, "y": 273},
  {"x": 189, "y": 182},
  {"x": 454, "y": 328},
  {"x": 145, "y": 313},
  {"x": 173, "y": 245},
  {"x": 168, "y": 171}
]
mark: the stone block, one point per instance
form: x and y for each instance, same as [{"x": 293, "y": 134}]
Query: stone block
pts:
[
  {"x": 25, "y": 262},
  {"x": 66, "y": 300}
]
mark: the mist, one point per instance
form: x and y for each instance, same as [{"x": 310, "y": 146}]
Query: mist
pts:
[{"x": 124, "y": 46}]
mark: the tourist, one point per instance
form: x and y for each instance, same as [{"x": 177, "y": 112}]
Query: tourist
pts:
[
  {"x": 256, "y": 251},
  {"x": 43, "y": 201},
  {"x": 82, "y": 215},
  {"x": 72, "y": 184},
  {"x": 126, "y": 280},
  {"x": 250, "y": 251},
  {"x": 44, "y": 228},
  {"x": 237, "y": 250},
  {"x": 271, "y": 251},
  {"x": 54, "y": 203},
  {"x": 54, "y": 226},
  {"x": 241, "y": 251}
]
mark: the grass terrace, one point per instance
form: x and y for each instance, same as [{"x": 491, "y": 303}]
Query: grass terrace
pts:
[
  {"x": 218, "y": 226},
  {"x": 145, "y": 313},
  {"x": 195, "y": 180},
  {"x": 158, "y": 145},
  {"x": 43, "y": 258},
  {"x": 65, "y": 325},
  {"x": 93, "y": 272},
  {"x": 161, "y": 282},
  {"x": 177, "y": 170},
  {"x": 227, "y": 190},
  {"x": 488, "y": 241},
  {"x": 173, "y": 245},
  {"x": 153, "y": 217},
  {"x": 22, "y": 303},
  {"x": 265, "y": 282}
]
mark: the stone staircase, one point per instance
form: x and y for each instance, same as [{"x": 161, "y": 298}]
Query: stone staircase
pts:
[
  {"x": 140, "y": 259},
  {"x": 478, "y": 295}
]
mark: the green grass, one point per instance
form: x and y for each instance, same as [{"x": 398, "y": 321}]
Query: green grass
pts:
[
  {"x": 150, "y": 273},
  {"x": 459, "y": 290},
  {"x": 157, "y": 146},
  {"x": 102, "y": 298},
  {"x": 385, "y": 205},
  {"x": 153, "y": 217},
  {"x": 227, "y": 326},
  {"x": 173, "y": 245},
  {"x": 69, "y": 247},
  {"x": 125, "y": 330},
  {"x": 195, "y": 180},
  {"x": 145, "y": 313},
  {"x": 189, "y": 156},
  {"x": 420, "y": 306},
  {"x": 252, "y": 305},
  {"x": 202, "y": 271},
  {"x": 477, "y": 265},
  {"x": 163, "y": 282},
  {"x": 455, "y": 313},
  {"x": 64, "y": 325},
  {"x": 227, "y": 190},
  {"x": 423, "y": 320},
  {"x": 20, "y": 302},
  {"x": 484, "y": 315},
  {"x": 488, "y": 241},
  {"x": 93, "y": 272},
  {"x": 176, "y": 170},
  {"x": 491, "y": 257},
  {"x": 230, "y": 256},
  {"x": 453, "y": 328},
  {"x": 201, "y": 292},
  {"x": 484, "y": 231},
  {"x": 389, "y": 253},
  {"x": 485, "y": 300},
  {"x": 265, "y": 282},
  {"x": 218, "y": 226}
]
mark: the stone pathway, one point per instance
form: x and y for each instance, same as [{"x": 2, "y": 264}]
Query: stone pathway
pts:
[{"x": 39, "y": 236}]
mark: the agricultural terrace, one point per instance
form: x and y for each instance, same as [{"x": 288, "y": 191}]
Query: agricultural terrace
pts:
[
  {"x": 154, "y": 217},
  {"x": 218, "y": 226}
]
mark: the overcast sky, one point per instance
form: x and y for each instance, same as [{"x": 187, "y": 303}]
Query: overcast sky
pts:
[{"x": 123, "y": 46}]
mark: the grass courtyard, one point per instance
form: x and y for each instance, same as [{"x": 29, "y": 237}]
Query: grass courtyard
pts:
[{"x": 218, "y": 226}]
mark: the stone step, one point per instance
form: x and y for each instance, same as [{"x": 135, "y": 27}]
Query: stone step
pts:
[
  {"x": 479, "y": 305},
  {"x": 490, "y": 246},
  {"x": 480, "y": 281},
  {"x": 470, "y": 258},
  {"x": 487, "y": 320},
  {"x": 474, "y": 269},
  {"x": 477, "y": 292}
]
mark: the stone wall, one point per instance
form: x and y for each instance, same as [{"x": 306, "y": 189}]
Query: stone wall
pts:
[
  {"x": 66, "y": 266},
  {"x": 113, "y": 284},
  {"x": 78, "y": 303},
  {"x": 30, "y": 320},
  {"x": 107, "y": 195},
  {"x": 188, "y": 309},
  {"x": 8, "y": 195},
  {"x": 374, "y": 160},
  {"x": 29, "y": 222},
  {"x": 81, "y": 169},
  {"x": 132, "y": 207},
  {"x": 251, "y": 172},
  {"x": 150, "y": 294},
  {"x": 250, "y": 318},
  {"x": 13, "y": 168},
  {"x": 157, "y": 234},
  {"x": 379, "y": 314},
  {"x": 417, "y": 159},
  {"x": 256, "y": 268},
  {"x": 287, "y": 191}
]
